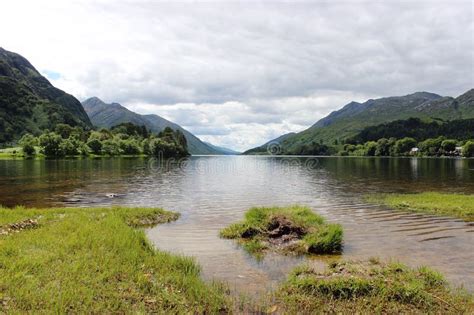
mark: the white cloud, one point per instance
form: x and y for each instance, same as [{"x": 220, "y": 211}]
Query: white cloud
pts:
[{"x": 239, "y": 74}]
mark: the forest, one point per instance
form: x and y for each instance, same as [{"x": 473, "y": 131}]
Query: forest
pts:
[{"x": 123, "y": 139}]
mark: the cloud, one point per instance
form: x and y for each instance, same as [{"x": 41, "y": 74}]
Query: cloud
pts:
[{"x": 252, "y": 70}]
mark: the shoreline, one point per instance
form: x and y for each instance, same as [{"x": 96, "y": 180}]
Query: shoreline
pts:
[{"x": 103, "y": 244}]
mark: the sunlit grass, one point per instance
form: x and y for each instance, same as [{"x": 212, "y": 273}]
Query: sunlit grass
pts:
[
  {"x": 456, "y": 205},
  {"x": 90, "y": 260},
  {"x": 370, "y": 288}
]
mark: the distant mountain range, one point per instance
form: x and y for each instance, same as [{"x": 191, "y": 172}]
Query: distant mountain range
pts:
[
  {"x": 108, "y": 115},
  {"x": 30, "y": 103},
  {"x": 354, "y": 117}
]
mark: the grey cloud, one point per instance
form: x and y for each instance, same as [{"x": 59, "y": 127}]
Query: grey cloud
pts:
[{"x": 216, "y": 53}]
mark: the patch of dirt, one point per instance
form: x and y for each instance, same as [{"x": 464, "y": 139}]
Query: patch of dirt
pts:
[
  {"x": 18, "y": 226},
  {"x": 283, "y": 233}
]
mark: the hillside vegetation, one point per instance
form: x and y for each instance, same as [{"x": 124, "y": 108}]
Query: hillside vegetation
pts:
[
  {"x": 354, "y": 117},
  {"x": 29, "y": 103}
]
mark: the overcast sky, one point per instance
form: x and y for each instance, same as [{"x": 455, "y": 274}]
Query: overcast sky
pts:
[{"x": 240, "y": 74}]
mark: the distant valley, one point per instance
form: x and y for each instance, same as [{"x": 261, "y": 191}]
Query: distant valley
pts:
[{"x": 108, "y": 115}]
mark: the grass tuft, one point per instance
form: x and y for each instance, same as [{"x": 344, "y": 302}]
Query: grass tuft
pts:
[
  {"x": 294, "y": 229},
  {"x": 370, "y": 287}
]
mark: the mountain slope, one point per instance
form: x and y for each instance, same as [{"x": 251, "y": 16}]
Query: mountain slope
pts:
[
  {"x": 354, "y": 117},
  {"x": 29, "y": 103},
  {"x": 109, "y": 115},
  {"x": 226, "y": 151},
  {"x": 271, "y": 147}
]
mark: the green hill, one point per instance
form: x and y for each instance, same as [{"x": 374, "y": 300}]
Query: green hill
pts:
[
  {"x": 29, "y": 103},
  {"x": 354, "y": 117},
  {"x": 109, "y": 115},
  {"x": 459, "y": 129}
]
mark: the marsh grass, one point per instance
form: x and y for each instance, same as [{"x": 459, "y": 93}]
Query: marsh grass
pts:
[
  {"x": 456, "y": 205},
  {"x": 294, "y": 229},
  {"x": 370, "y": 287},
  {"x": 91, "y": 260}
]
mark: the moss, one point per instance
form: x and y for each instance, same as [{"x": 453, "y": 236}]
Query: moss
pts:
[
  {"x": 370, "y": 287},
  {"x": 456, "y": 205},
  {"x": 294, "y": 229}
]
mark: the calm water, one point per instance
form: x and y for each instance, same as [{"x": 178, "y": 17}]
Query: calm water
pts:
[{"x": 212, "y": 192}]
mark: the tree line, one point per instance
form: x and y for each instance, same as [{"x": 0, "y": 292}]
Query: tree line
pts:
[
  {"x": 407, "y": 146},
  {"x": 123, "y": 139}
]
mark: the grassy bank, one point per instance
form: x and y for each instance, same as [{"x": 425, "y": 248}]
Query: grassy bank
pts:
[
  {"x": 294, "y": 229},
  {"x": 456, "y": 205},
  {"x": 370, "y": 288},
  {"x": 93, "y": 260}
]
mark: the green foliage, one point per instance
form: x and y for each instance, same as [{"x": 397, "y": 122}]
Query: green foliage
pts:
[
  {"x": 431, "y": 147},
  {"x": 95, "y": 145},
  {"x": 169, "y": 144},
  {"x": 468, "y": 149},
  {"x": 370, "y": 148},
  {"x": 403, "y": 146},
  {"x": 418, "y": 129},
  {"x": 111, "y": 147},
  {"x": 448, "y": 145},
  {"x": 64, "y": 130},
  {"x": 131, "y": 130},
  {"x": 68, "y": 141},
  {"x": 28, "y": 143},
  {"x": 30, "y": 104},
  {"x": 129, "y": 146},
  {"x": 384, "y": 147},
  {"x": 312, "y": 148},
  {"x": 51, "y": 144}
]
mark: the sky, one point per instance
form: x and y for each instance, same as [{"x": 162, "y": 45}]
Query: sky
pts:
[{"x": 238, "y": 74}]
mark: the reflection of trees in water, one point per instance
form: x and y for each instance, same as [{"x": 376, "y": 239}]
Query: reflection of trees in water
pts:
[{"x": 401, "y": 174}]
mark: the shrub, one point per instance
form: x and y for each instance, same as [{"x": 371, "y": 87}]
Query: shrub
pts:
[
  {"x": 448, "y": 145},
  {"x": 403, "y": 146},
  {"x": 110, "y": 147},
  {"x": 129, "y": 146},
  {"x": 28, "y": 143},
  {"x": 468, "y": 149},
  {"x": 95, "y": 146},
  {"x": 50, "y": 143}
]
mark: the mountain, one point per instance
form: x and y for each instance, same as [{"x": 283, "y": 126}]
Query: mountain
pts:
[
  {"x": 354, "y": 117},
  {"x": 271, "y": 147},
  {"x": 29, "y": 103},
  {"x": 459, "y": 129},
  {"x": 226, "y": 151},
  {"x": 108, "y": 115}
]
